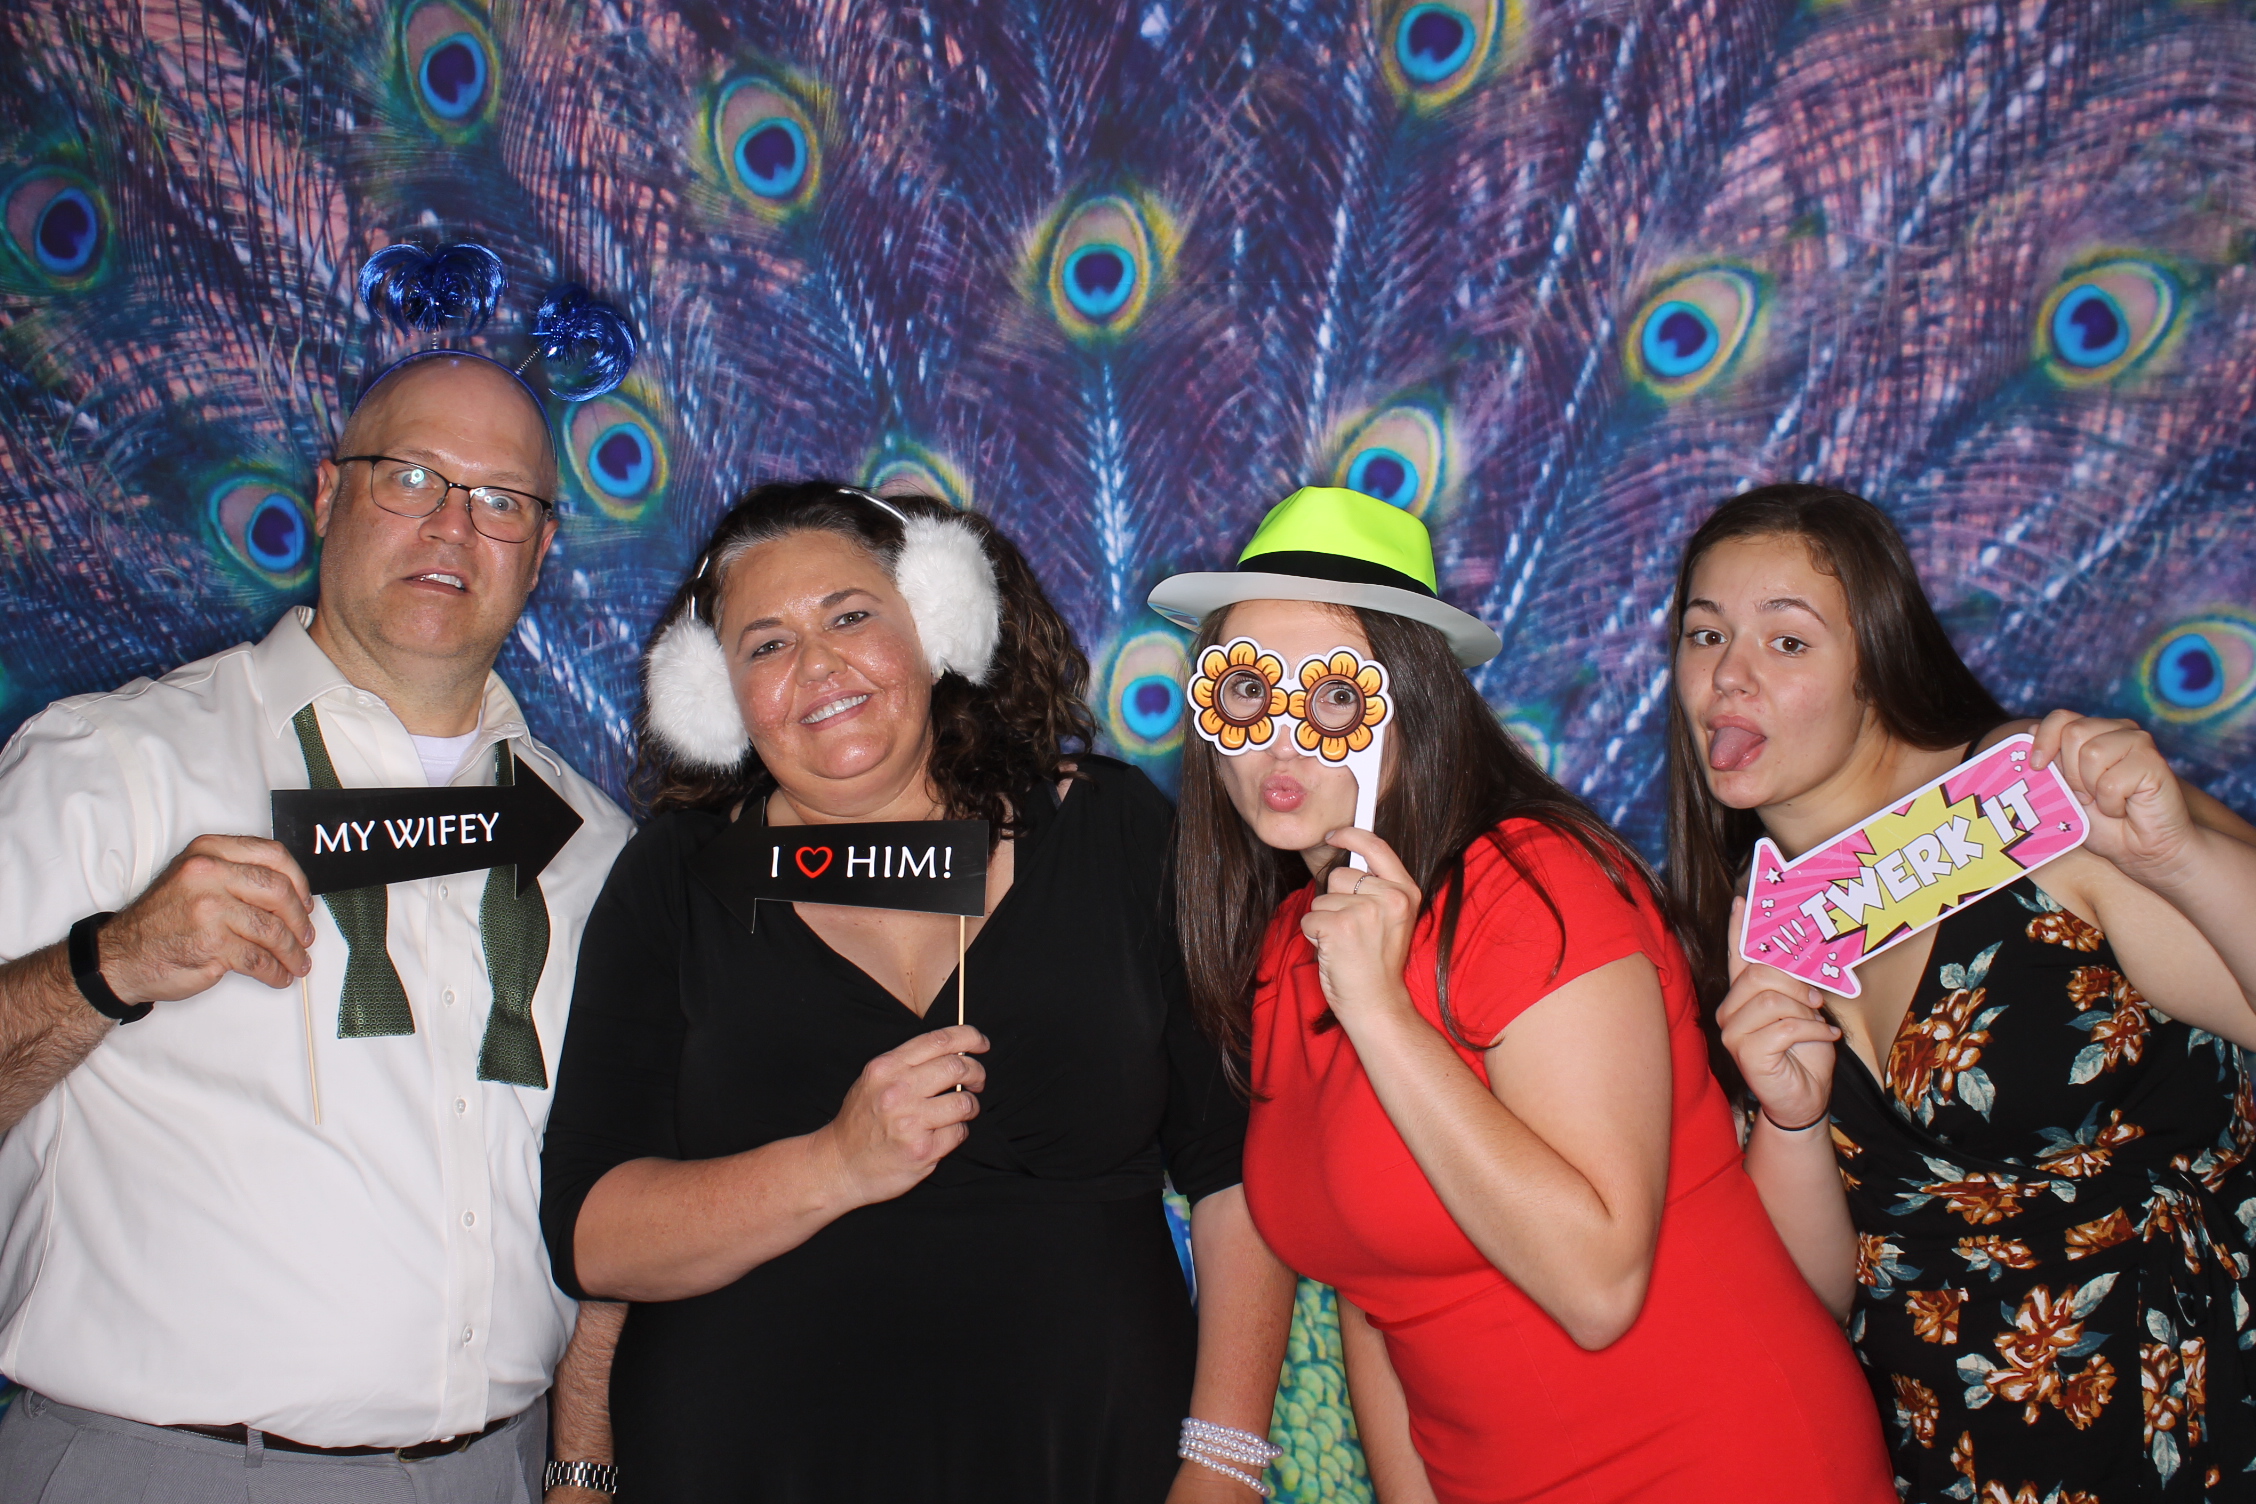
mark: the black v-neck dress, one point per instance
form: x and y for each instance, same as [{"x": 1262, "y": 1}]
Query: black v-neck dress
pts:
[{"x": 1014, "y": 1328}]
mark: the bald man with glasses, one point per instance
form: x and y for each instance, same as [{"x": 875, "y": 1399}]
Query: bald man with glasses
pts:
[{"x": 208, "y": 1291}]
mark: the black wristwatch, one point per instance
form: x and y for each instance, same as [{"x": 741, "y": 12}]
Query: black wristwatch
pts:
[
  {"x": 595, "y": 1477},
  {"x": 86, "y": 970}
]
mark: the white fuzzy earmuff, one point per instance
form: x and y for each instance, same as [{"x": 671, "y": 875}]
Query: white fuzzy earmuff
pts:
[
  {"x": 943, "y": 575},
  {"x": 687, "y": 697},
  {"x": 949, "y": 584}
]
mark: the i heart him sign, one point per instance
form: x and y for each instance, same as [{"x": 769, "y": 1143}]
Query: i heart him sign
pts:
[{"x": 930, "y": 866}]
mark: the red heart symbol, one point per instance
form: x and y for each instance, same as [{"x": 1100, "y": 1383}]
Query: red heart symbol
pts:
[{"x": 800, "y": 857}]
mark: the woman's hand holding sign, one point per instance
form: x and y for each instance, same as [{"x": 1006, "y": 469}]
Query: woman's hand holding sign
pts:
[
  {"x": 1361, "y": 925},
  {"x": 2168, "y": 847},
  {"x": 1779, "y": 1037},
  {"x": 2138, "y": 810},
  {"x": 905, "y": 1114}
]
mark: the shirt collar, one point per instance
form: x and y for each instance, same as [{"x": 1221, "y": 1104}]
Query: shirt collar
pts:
[{"x": 293, "y": 672}]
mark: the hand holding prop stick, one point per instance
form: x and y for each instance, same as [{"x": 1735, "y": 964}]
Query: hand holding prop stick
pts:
[{"x": 916, "y": 866}]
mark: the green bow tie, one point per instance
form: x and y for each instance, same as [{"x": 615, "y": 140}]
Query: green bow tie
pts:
[{"x": 512, "y": 928}]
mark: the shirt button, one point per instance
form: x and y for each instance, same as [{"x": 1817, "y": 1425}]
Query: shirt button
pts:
[
  {"x": 466, "y": 1336},
  {"x": 449, "y": 996},
  {"x": 469, "y": 1219},
  {"x": 460, "y": 1106},
  {"x": 442, "y": 890}
]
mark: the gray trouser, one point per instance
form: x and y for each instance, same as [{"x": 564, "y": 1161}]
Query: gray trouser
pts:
[{"x": 58, "y": 1454}]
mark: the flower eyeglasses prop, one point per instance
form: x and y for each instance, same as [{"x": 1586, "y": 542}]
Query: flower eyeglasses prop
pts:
[{"x": 1338, "y": 711}]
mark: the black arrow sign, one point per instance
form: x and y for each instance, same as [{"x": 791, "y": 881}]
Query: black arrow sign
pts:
[
  {"x": 357, "y": 838},
  {"x": 930, "y": 866}
]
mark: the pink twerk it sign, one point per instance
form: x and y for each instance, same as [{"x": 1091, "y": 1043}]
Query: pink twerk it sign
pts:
[{"x": 1972, "y": 831}]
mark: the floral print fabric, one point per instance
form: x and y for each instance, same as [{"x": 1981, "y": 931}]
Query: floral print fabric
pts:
[{"x": 2055, "y": 1216}]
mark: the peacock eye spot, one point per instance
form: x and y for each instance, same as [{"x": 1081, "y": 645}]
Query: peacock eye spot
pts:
[
  {"x": 766, "y": 144},
  {"x": 450, "y": 62},
  {"x": 56, "y": 223},
  {"x": 1098, "y": 280},
  {"x": 1679, "y": 339},
  {"x": 1151, "y": 705},
  {"x": 2105, "y": 318},
  {"x": 454, "y": 76},
  {"x": 1102, "y": 267},
  {"x": 2188, "y": 673},
  {"x": 618, "y": 455},
  {"x": 1143, "y": 702},
  {"x": 1432, "y": 42},
  {"x": 277, "y": 534},
  {"x": 2200, "y": 669},
  {"x": 1687, "y": 333},
  {"x": 2090, "y": 328},
  {"x": 771, "y": 159},
  {"x": 1384, "y": 474},
  {"x": 622, "y": 460},
  {"x": 68, "y": 232},
  {"x": 1398, "y": 454},
  {"x": 265, "y": 526}
]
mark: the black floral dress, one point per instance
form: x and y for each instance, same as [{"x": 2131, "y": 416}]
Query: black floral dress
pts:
[{"x": 2055, "y": 1218}]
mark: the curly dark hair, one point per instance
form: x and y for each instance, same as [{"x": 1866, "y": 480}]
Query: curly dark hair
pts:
[{"x": 992, "y": 743}]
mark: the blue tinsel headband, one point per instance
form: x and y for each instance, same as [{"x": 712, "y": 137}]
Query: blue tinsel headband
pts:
[{"x": 421, "y": 292}]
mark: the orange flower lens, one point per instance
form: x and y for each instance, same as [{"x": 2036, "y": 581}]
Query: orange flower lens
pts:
[
  {"x": 1242, "y": 696},
  {"x": 1336, "y": 705}
]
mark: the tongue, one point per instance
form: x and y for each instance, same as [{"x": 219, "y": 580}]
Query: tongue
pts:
[{"x": 1733, "y": 748}]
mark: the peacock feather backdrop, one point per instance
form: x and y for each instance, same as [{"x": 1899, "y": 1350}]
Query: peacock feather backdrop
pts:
[{"x": 1556, "y": 275}]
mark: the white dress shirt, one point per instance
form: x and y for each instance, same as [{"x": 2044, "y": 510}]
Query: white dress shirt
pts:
[{"x": 183, "y": 1244}]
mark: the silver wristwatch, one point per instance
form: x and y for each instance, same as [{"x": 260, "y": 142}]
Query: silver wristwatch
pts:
[{"x": 596, "y": 1477}]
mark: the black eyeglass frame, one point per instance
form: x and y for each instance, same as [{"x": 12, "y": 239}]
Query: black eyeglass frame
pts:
[{"x": 446, "y": 495}]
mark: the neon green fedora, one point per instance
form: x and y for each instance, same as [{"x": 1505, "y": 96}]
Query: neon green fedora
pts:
[{"x": 1323, "y": 543}]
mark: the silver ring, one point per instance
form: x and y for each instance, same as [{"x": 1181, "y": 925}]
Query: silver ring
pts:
[{"x": 1359, "y": 882}]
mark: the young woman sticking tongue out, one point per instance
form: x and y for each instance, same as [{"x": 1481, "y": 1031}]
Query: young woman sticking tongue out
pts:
[{"x": 2033, "y": 1207}]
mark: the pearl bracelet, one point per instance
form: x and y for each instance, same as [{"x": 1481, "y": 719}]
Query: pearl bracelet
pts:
[{"x": 1217, "y": 1447}]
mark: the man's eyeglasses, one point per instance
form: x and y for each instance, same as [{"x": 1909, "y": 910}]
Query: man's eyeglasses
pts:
[{"x": 409, "y": 488}]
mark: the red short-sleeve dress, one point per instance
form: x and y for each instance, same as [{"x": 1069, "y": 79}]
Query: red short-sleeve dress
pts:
[{"x": 1733, "y": 1384}]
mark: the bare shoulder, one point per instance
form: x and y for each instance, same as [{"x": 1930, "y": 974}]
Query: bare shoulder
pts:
[{"x": 2085, "y": 884}]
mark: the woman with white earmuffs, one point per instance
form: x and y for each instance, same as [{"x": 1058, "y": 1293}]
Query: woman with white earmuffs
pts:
[{"x": 850, "y": 1280}]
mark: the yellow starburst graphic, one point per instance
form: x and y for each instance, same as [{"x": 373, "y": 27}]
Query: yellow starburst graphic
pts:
[{"x": 1925, "y": 862}]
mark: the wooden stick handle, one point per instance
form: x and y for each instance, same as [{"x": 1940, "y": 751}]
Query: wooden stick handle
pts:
[{"x": 313, "y": 1076}]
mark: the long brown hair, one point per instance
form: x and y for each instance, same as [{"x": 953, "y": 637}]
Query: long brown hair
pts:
[
  {"x": 1458, "y": 775},
  {"x": 992, "y": 743},
  {"x": 1921, "y": 691}
]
